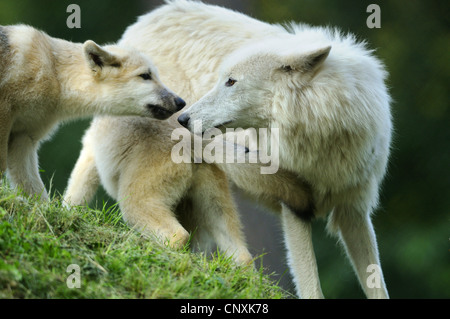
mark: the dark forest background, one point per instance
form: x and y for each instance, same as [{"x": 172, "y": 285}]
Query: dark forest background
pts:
[{"x": 413, "y": 221}]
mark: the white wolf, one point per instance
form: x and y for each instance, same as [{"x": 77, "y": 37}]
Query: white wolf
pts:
[
  {"x": 326, "y": 94},
  {"x": 323, "y": 91},
  {"x": 44, "y": 81}
]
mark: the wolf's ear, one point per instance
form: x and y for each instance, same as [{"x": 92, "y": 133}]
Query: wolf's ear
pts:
[
  {"x": 97, "y": 57},
  {"x": 308, "y": 62}
]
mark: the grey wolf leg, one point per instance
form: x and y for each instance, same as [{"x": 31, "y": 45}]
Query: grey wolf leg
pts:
[
  {"x": 84, "y": 179},
  {"x": 5, "y": 128},
  {"x": 145, "y": 204},
  {"x": 216, "y": 215},
  {"x": 23, "y": 166},
  {"x": 358, "y": 237},
  {"x": 301, "y": 257}
]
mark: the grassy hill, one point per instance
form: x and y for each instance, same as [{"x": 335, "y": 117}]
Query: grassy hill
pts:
[{"x": 38, "y": 241}]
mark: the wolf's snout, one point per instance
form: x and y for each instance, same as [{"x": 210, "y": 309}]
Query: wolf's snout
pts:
[
  {"x": 183, "y": 119},
  {"x": 179, "y": 103}
]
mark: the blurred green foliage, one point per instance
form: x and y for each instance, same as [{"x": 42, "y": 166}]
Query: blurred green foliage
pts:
[{"x": 413, "y": 222}]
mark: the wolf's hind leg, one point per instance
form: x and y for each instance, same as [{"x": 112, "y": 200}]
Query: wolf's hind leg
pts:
[{"x": 358, "y": 237}]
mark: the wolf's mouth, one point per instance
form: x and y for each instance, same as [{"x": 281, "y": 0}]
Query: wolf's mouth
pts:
[
  {"x": 223, "y": 125},
  {"x": 159, "y": 112}
]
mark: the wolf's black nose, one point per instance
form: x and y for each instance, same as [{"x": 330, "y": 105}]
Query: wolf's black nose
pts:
[
  {"x": 179, "y": 102},
  {"x": 183, "y": 119}
]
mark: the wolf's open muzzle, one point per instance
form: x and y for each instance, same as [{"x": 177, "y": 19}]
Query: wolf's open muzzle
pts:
[{"x": 163, "y": 112}]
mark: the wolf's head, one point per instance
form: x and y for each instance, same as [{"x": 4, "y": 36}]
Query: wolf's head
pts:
[
  {"x": 249, "y": 82},
  {"x": 127, "y": 83}
]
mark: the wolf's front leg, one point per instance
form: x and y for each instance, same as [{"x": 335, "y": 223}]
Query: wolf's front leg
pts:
[
  {"x": 215, "y": 213},
  {"x": 5, "y": 127},
  {"x": 84, "y": 179},
  {"x": 23, "y": 167},
  {"x": 153, "y": 218},
  {"x": 301, "y": 257}
]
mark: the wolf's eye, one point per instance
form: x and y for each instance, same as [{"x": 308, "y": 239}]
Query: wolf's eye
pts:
[
  {"x": 230, "y": 82},
  {"x": 146, "y": 76}
]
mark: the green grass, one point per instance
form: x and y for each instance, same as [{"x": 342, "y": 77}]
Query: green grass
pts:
[{"x": 38, "y": 241}]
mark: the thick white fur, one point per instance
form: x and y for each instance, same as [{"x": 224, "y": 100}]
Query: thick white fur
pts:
[
  {"x": 44, "y": 81},
  {"x": 326, "y": 94},
  {"x": 131, "y": 158},
  {"x": 323, "y": 90}
]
